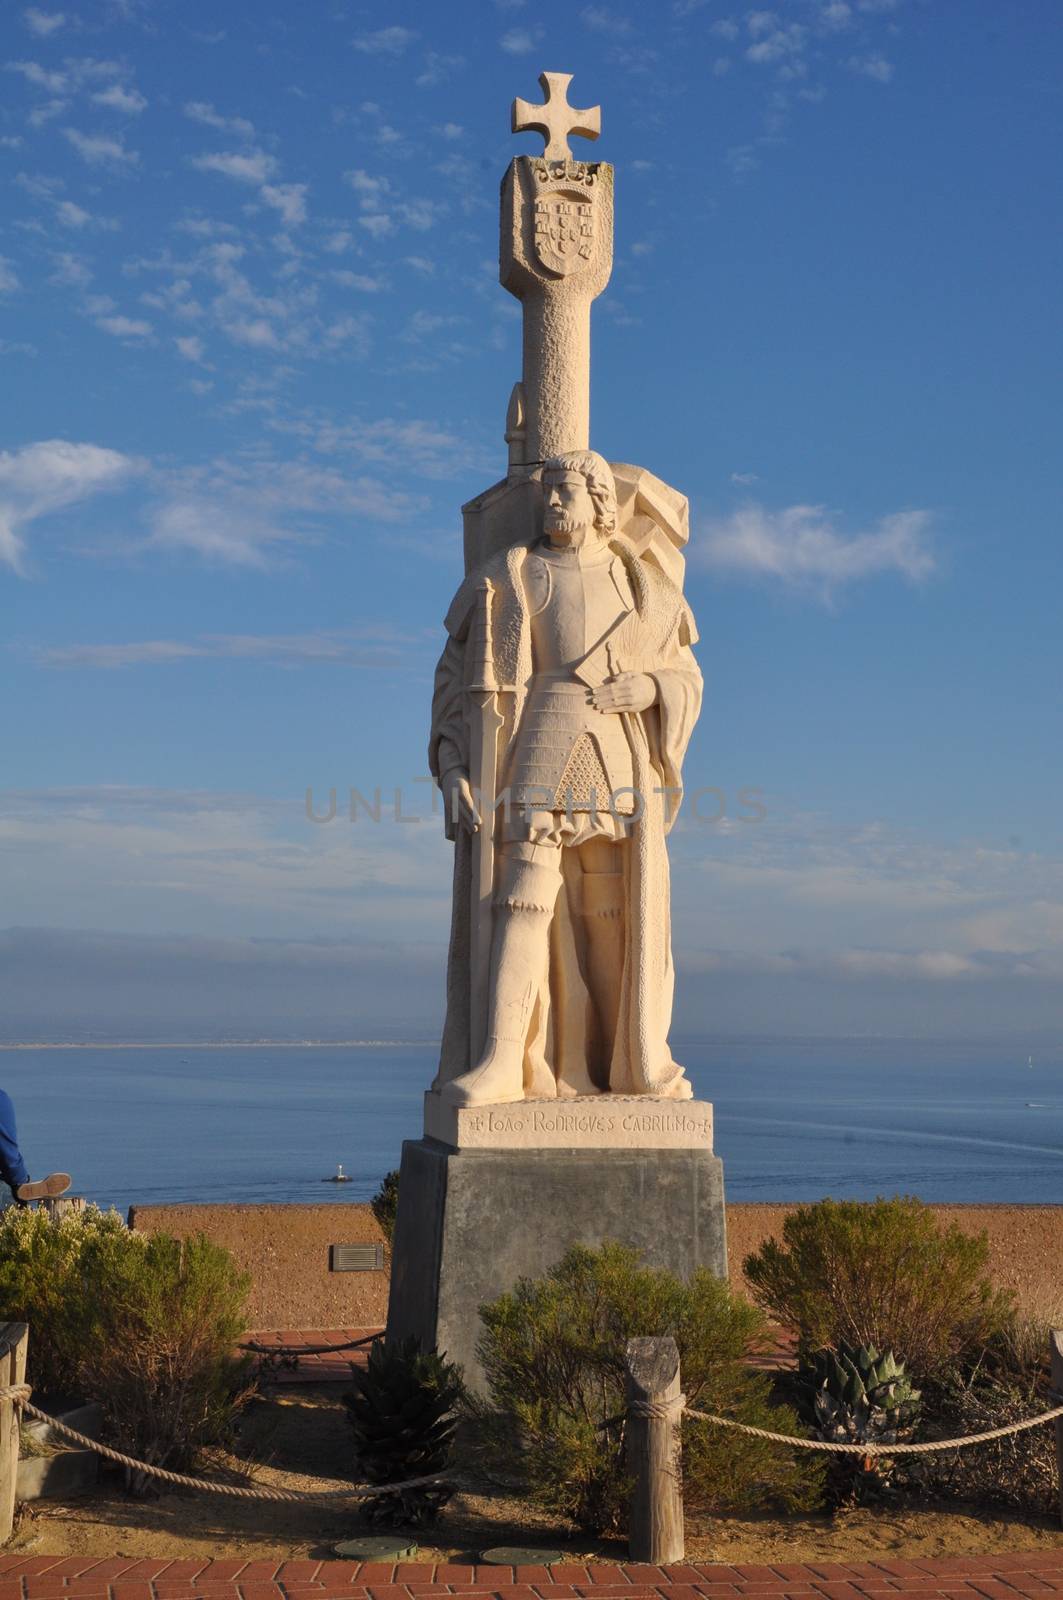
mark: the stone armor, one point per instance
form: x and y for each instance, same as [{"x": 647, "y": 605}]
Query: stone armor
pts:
[{"x": 567, "y": 755}]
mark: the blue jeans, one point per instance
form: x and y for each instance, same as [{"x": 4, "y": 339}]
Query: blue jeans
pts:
[{"x": 12, "y": 1167}]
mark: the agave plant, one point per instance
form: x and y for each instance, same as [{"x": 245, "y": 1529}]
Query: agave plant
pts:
[
  {"x": 403, "y": 1415},
  {"x": 859, "y": 1396}
]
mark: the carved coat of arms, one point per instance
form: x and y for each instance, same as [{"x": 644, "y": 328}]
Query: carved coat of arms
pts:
[{"x": 564, "y": 232}]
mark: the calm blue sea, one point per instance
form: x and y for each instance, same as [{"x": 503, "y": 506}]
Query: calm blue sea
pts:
[{"x": 793, "y": 1120}]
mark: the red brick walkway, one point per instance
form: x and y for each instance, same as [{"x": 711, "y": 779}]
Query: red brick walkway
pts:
[{"x": 1006, "y": 1577}]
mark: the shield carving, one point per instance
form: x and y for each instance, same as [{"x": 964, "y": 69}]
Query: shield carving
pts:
[{"x": 564, "y": 232}]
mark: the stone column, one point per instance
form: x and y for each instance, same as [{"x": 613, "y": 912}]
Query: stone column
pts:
[{"x": 556, "y": 255}]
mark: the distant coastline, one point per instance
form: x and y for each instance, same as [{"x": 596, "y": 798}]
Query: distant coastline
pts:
[{"x": 218, "y": 1044}]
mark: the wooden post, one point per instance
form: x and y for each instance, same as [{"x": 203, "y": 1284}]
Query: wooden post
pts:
[
  {"x": 68, "y": 1205},
  {"x": 14, "y": 1337},
  {"x": 655, "y": 1459},
  {"x": 1056, "y": 1352}
]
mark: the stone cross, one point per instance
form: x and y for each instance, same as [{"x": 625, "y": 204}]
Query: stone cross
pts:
[
  {"x": 556, "y": 119},
  {"x": 556, "y": 256}
]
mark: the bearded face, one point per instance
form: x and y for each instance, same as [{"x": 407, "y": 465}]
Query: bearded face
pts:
[{"x": 569, "y": 515}]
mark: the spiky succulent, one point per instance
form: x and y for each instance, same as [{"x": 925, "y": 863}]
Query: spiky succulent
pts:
[
  {"x": 403, "y": 1415},
  {"x": 859, "y": 1396}
]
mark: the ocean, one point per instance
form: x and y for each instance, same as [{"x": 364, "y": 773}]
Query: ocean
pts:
[{"x": 795, "y": 1120}]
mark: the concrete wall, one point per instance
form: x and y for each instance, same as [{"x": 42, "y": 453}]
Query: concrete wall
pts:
[{"x": 286, "y": 1251}]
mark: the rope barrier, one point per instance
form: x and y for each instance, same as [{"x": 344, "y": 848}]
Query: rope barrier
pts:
[
  {"x": 923, "y": 1448},
  {"x": 19, "y": 1393}
]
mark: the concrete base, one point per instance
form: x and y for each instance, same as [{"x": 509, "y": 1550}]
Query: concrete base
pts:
[{"x": 471, "y": 1222}]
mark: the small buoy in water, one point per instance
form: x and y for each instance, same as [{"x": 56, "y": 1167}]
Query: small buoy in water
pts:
[{"x": 339, "y": 1176}]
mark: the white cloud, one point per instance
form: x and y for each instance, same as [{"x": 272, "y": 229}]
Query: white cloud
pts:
[
  {"x": 202, "y": 111},
  {"x": 101, "y": 149},
  {"x": 452, "y": 130},
  {"x": 373, "y": 645},
  {"x": 46, "y": 477},
  {"x": 40, "y": 77},
  {"x": 744, "y": 478},
  {"x": 774, "y": 42},
  {"x": 8, "y": 276},
  {"x": 801, "y": 546},
  {"x": 43, "y": 23},
  {"x": 191, "y": 347},
  {"x": 875, "y": 67},
  {"x": 836, "y": 14},
  {"x": 125, "y": 327},
  {"x": 287, "y": 198},
  {"x": 437, "y": 67},
  {"x": 70, "y": 270},
  {"x": 601, "y": 19},
  {"x": 385, "y": 41},
  {"x": 517, "y": 42},
  {"x": 256, "y": 332},
  {"x": 357, "y": 280},
  {"x": 116, "y": 98},
  {"x": 72, "y": 216},
  {"x": 253, "y": 166},
  {"x": 378, "y": 225}
]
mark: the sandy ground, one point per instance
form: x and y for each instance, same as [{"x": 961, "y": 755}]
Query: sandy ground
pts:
[{"x": 306, "y": 1430}]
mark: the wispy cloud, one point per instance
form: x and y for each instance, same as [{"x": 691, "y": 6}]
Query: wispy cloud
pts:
[
  {"x": 249, "y": 166},
  {"x": 101, "y": 149},
  {"x": 43, "y": 23},
  {"x": 8, "y": 276},
  {"x": 518, "y": 42},
  {"x": 801, "y": 546},
  {"x": 203, "y": 112},
  {"x": 876, "y": 67},
  {"x": 371, "y": 645},
  {"x": 134, "y": 328},
  {"x": 385, "y": 41},
  {"x": 130, "y": 102},
  {"x": 287, "y": 198},
  {"x": 46, "y": 477}
]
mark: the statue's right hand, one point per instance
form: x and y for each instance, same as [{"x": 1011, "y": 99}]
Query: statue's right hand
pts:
[{"x": 459, "y": 806}]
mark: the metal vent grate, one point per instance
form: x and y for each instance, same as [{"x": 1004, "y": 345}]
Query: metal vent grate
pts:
[{"x": 356, "y": 1257}]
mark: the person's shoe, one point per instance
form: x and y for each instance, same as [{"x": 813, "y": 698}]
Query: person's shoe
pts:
[{"x": 49, "y": 1188}]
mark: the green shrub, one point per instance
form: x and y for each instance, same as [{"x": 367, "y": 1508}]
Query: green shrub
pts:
[
  {"x": 553, "y": 1353},
  {"x": 884, "y": 1273},
  {"x": 402, "y": 1411},
  {"x": 41, "y": 1283},
  {"x": 170, "y": 1314},
  {"x": 385, "y": 1204},
  {"x": 146, "y": 1326}
]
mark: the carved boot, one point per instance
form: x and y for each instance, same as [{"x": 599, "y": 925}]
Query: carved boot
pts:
[{"x": 519, "y": 954}]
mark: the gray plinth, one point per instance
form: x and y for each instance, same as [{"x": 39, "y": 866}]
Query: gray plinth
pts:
[{"x": 471, "y": 1222}]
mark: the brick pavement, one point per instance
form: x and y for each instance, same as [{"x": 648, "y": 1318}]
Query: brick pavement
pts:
[{"x": 1024, "y": 1576}]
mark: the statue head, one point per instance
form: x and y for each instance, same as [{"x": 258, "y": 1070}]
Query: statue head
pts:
[{"x": 579, "y": 497}]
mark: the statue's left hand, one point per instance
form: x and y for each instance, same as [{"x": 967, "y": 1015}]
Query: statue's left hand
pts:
[{"x": 627, "y": 691}]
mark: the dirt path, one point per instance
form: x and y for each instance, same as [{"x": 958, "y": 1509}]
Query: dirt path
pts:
[{"x": 306, "y": 1429}]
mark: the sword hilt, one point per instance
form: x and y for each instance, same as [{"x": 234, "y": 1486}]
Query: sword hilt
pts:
[{"x": 482, "y": 676}]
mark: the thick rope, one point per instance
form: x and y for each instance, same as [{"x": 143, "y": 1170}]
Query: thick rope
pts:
[
  {"x": 656, "y": 1410},
  {"x": 922, "y": 1449},
  {"x": 20, "y": 1393}
]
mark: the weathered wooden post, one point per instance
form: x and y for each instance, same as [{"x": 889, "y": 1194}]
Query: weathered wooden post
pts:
[
  {"x": 655, "y": 1410},
  {"x": 14, "y": 1338},
  {"x": 1056, "y": 1352}
]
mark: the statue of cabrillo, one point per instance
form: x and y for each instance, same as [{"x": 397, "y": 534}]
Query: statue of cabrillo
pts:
[{"x": 564, "y": 701}]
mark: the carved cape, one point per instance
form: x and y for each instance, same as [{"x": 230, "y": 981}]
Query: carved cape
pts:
[{"x": 654, "y": 638}]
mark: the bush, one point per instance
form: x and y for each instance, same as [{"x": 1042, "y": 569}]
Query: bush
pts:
[
  {"x": 385, "y": 1204},
  {"x": 553, "y": 1353},
  {"x": 41, "y": 1283},
  {"x": 882, "y": 1273},
  {"x": 146, "y": 1326},
  {"x": 1018, "y": 1471}
]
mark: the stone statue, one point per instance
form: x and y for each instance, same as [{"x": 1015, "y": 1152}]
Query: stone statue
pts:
[
  {"x": 590, "y": 647},
  {"x": 564, "y": 699}
]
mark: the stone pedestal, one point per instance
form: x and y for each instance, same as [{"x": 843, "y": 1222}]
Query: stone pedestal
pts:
[{"x": 501, "y": 1192}]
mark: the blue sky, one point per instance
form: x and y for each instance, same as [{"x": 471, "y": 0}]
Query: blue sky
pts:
[{"x": 255, "y": 356}]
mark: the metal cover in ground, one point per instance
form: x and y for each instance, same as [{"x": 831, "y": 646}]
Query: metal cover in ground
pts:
[
  {"x": 519, "y": 1555},
  {"x": 375, "y": 1548}
]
